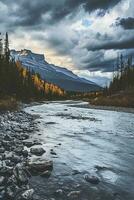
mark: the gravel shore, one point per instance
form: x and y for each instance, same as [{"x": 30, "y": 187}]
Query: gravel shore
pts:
[{"x": 16, "y": 151}]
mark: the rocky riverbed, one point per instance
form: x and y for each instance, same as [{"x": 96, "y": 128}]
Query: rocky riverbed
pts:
[
  {"x": 64, "y": 151},
  {"x": 16, "y": 150}
]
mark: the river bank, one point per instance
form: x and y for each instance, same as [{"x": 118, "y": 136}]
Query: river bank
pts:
[
  {"x": 17, "y": 149},
  {"x": 110, "y": 108}
]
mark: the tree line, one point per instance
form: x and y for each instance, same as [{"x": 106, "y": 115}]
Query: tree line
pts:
[
  {"x": 17, "y": 81},
  {"x": 123, "y": 75}
]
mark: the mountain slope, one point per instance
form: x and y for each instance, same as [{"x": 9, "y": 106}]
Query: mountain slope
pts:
[{"x": 62, "y": 77}]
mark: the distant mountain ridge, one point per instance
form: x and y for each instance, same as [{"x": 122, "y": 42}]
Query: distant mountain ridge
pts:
[{"x": 62, "y": 77}]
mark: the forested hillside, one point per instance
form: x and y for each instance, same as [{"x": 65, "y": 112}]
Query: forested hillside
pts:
[
  {"x": 21, "y": 83},
  {"x": 121, "y": 89},
  {"x": 123, "y": 77}
]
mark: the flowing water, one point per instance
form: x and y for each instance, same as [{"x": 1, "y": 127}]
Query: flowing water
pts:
[{"x": 85, "y": 141}]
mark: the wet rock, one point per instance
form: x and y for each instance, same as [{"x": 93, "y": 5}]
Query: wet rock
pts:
[
  {"x": 101, "y": 167},
  {"x": 74, "y": 195},
  {"x": 25, "y": 136},
  {"x": 26, "y": 195},
  {"x": 37, "y": 151},
  {"x": 46, "y": 174},
  {"x": 8, "y": 138},
  {"x": 15, "y": 159},
  {"x": 9, "y": 163},
  {"x": 75, "y": 172},
  {"x": 7, "y": 155},
  {"x": 28, "y": 143},
  {"x": 50, "y": 123},
  {"x": 59, "y": 192},
  {"x": 40, "y": 166},
  {"x": 2, "y": 180},
  {"x": 2, "y": 194},
  {"x": 53, "y": 152},
  {"x": 19, "y": 150},
  {"x": 11, "y": 192},
  {"x": 2, "y": 188},
  {"x": 92, "y": 179},
  {"x": 19, "y": 130},
  {"x": 20, "y": 174},
  {"x": 2, "y": 150},
  {"x": 6, "y": 170},
  {"x": 25, "y": 153},
  {"x": 12, "y": 180}
]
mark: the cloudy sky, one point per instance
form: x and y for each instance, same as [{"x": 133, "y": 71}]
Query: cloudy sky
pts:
[{"x": 82, "y": 35}]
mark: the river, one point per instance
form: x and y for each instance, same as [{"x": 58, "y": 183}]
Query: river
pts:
[{"x": 85, "y": 141}]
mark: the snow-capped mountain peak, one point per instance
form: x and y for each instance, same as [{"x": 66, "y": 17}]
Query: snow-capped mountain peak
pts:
[{"x": 62, "y": 77}]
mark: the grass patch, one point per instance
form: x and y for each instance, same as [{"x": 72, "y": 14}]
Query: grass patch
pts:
[
  {"x": 8, "y": 104},
  {"x": 121, "y": 99}
]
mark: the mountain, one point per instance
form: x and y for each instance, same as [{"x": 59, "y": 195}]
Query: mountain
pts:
[{"x": 62, "y": 77}]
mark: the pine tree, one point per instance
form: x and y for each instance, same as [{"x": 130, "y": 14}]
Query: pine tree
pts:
[
  {"x": 6, "y": 49},
  {"x": 1, "y": 47}
]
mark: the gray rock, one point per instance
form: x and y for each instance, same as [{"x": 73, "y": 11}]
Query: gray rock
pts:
[
  {"x": 20, "y": 174},
  {"x": 19, "y": 150},
  {"x": 74, "y": 195},
  {"x": 2, "y": 150},
  {"x": 15, "y": 159},
  {"x": 59, "y": 192},
  {"x": 25, "y": 153},
  {"x": 38, "y": 167},
  {"x": 5, "y": 170},
  {"x": 92, "y": 179},
  {"x": 11, "y": 191},
  {"x": 46, "y": 174},
  {"x": 19, "y": 130},
  {"x": 28, "y": 143},
  {"x": 2, "y": 194},
  {"x": 2, "y": 180},
  {"x": 53, "y": 152},
  {"x": 8, "y": 138},
  {"x": 27, "y": 195},
  {"x": 37, "y": 151}
]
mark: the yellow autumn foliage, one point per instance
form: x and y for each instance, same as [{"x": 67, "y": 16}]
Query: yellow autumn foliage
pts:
[{"x": 47, "y": 88}]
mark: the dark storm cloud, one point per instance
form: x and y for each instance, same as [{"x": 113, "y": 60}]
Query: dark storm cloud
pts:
[
  {"x": 97, "y": 61},
  {"x": 91, "y": 5},
  {"x": 126, "y": 23},
  {"x": 127, "y": 43},
  {"x": 43, "y": 17},
  {"x": 30, "y": 13}
]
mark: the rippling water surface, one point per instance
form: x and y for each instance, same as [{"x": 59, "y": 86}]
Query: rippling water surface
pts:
[{"x": 86, "y": 141}]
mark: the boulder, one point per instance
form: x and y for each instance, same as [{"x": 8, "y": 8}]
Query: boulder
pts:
[
  {"x": 37, "y": 151},
  {"x": 39, "y": 167},
  {"x": 92, "y": 179}
]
